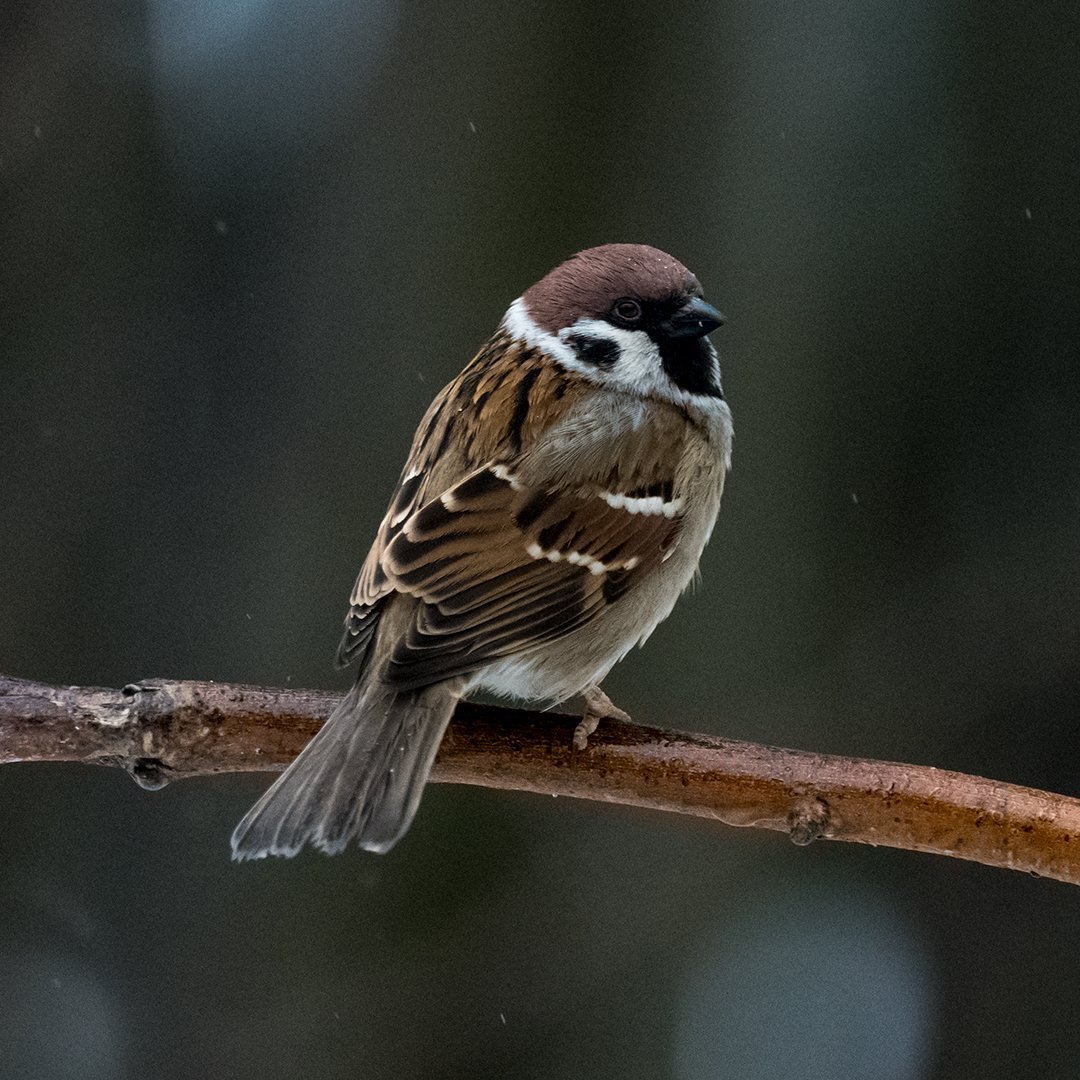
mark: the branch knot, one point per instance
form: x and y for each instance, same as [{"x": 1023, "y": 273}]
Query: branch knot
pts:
[{"x": 809, "y": 820}]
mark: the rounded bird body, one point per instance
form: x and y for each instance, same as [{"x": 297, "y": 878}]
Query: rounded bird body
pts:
[{"x": 555, "y": 503}]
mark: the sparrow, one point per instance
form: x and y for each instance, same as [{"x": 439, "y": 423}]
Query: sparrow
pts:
[{"x": 554, "y": 505}]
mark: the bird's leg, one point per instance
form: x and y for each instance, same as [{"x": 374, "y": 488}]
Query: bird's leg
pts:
[{"x": 598, "y": 706}]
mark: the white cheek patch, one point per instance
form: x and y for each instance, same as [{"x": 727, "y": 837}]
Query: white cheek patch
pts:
[
  {"x": 639, "y": 368},
  {"x": 647, "y": 504},
  {"x": 519, "y": 324}
]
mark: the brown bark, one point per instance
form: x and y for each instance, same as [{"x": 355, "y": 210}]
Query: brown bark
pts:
[{"x": 160, "y": 730}]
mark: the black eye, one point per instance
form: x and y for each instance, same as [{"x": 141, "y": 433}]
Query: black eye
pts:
[{"x": 626, "y": 310}]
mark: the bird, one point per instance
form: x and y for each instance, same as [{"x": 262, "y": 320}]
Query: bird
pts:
[{"x": 554, "y": 505}]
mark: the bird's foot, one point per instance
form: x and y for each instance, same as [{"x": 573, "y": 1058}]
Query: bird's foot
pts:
[{"x": 598, "y": 706}]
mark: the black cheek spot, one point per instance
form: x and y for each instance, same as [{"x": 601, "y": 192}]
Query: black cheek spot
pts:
[{"x": 598, "y": 351}]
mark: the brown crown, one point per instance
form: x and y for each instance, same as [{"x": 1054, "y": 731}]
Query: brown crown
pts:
[{"x": 589, "y": 283}]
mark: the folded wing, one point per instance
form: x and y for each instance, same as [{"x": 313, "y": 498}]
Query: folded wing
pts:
[{"x": 500, "y": 568}]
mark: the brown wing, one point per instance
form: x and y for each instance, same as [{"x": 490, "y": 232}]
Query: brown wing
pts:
[
  {"x": 501, "y": 568},
  {"x": 372, "y": 586},
  {"x": 431, "y": 467},
  {"x": 505, "y": 379}
]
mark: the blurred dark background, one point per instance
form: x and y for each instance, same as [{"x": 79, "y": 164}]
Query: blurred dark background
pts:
[{"x": 242, "y": 244}]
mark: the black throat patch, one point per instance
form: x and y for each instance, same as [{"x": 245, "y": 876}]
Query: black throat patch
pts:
[{"x": 688, "y": 363}]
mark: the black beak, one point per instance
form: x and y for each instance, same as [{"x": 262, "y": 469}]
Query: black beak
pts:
[{"x": 694, "y": 319}]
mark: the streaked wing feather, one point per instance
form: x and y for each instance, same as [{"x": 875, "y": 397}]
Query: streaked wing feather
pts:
[
  {"x": 500, "y": 568},
  {"x": 507, "y": 378},
  {"x": 373, "y": 588}
]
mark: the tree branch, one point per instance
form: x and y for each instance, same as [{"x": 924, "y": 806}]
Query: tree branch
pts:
[{"x": 160, "y": 730}]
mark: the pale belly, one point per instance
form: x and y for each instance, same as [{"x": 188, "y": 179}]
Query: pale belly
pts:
[
  {"x": 565, "y": 667},
  {"x": 582, "y": 659}
]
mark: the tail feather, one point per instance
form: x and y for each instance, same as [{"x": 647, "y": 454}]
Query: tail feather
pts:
[{"x": 360, "y": 777}]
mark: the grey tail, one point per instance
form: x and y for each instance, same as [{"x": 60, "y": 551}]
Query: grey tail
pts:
[{"x": 360, "y": 777}]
